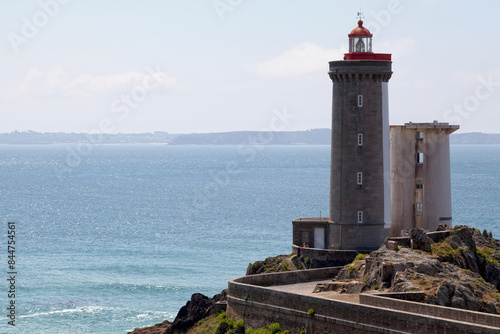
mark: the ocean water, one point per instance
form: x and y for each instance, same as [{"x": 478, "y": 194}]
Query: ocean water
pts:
[{"x": 114, "y": 237}]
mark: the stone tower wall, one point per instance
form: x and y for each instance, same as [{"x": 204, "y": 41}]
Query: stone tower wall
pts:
[{"x": 372, "y": 197}]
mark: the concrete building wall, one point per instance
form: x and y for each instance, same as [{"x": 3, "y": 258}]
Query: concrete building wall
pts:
[
  {"x": 350, "y": 118},
  {"x": 414, "y": 181},
  {"x": 303, "y": 231}
]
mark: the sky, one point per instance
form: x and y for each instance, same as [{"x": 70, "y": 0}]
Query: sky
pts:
[{"x": 122, "y": 66}]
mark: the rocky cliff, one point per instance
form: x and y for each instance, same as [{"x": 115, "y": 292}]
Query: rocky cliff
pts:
[
  {"x": 196, "y": 309},
  {"x": 457, "y": 268}
]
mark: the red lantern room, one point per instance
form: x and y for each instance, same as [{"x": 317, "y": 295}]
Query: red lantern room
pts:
[
  {"x": 360, "y": 39},
  {"x": 360, "y": 45}
]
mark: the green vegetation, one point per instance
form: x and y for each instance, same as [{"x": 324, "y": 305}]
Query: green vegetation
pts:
[
  {"x": 285, "y": 266},
  {"x": 307, "y": 260},
  {"x": 274, "y": 264},
  {"x": 352, "y": 266},
  {"x": 444, "y": 250},
  {"x": 222, "y": 324},
  {"x": 360, "y": 256},
  {"x": 271, "y": 329},
  {"x": 376, "y": 287},
  {"x": 487, "y": 253},
  {"x": 311, "y": 312}
]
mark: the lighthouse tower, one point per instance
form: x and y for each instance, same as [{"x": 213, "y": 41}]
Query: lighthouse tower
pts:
[{"x": 360, "y": 212}]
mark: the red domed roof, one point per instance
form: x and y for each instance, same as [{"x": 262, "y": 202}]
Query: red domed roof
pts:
[{"x": 360, "y": 31}]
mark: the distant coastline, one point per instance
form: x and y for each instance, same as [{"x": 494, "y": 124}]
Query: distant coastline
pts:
[{"x": 307, "y": 137}]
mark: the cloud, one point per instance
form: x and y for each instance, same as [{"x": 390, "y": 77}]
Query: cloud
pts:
[
  {"x": 398, "y": 46},
  {"x": 302, "y": 59},
  {"x": 57, "y": 83},
  {"x": 308, "y": 57}
]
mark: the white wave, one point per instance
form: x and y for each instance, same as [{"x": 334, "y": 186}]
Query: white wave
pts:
[{"x": 83, "y": 309}]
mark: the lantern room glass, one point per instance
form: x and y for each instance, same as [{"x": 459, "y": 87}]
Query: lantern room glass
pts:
[{"x": 360, "y": 44}]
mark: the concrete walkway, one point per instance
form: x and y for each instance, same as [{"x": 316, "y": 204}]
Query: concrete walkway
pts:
[{"x": 306, "y": 288}]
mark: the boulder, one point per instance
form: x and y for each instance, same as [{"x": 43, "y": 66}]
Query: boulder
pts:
[
  {"x": 420, "y": 240},
  {"x": 465, "y": 233},
  {"x": 444, "y": 293},
  {"x": 199, "y": 307}
]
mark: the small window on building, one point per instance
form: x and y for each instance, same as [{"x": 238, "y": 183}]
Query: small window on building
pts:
[
  {"x": 420, "y": 135},
  {"x": 360, "y": 100},
  {"x": 419, "y": 184},
  {"x": 420, "y": 158},
  {"x": 418, "y": 208},
  {"x": 360, "y": 216},
  {"x": 359, "y": 178},
  {"x": 360, "y": 139}
]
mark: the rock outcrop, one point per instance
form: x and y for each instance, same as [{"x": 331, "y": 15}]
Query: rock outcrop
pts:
[
  {"x": 457, "y": 268},
  {"x": 276, "y": 264},
  {"x": 199, "y": 307},
  {"x": 155, "y": 329}
]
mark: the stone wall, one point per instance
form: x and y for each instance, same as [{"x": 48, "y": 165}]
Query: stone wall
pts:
[
  {"x": 250, "y": 299},
  {"x": 321, "y": 258},
  {"x": 388, "y": 301}
]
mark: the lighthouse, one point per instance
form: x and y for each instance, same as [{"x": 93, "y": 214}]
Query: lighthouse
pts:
[{"x": 360, "y": 210}]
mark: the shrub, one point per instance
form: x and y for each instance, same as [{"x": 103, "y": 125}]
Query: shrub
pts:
[
  {"x": 239, "y": 326},
  {"x": 274, "y": 328},
  {"x": 311, "y": 312},
  {"x": 359, "y": 257}
]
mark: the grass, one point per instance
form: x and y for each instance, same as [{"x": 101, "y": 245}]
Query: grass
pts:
[
  {"x": 360, "y": 256},
  {"x": 212, "y": 325},
  {"x": 352, "y": 266},
  {"x": 443, "y": 249},
  {"x": 487, "y": 253}
]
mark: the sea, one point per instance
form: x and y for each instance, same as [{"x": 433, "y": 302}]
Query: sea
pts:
[{"x": 109, "y": 238}]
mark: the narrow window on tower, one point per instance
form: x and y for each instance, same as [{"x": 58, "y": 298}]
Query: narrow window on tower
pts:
[
  {"x": 360, "y": 178},
  {"x": 420, "y": 135},
  {"x": 360, "y": 216},
  {"x": 360, "y": 100},
  {"x": 420, "y": 158},
  {"x": 418, "y": 208},
  {"x": 360, "y": 139}
]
